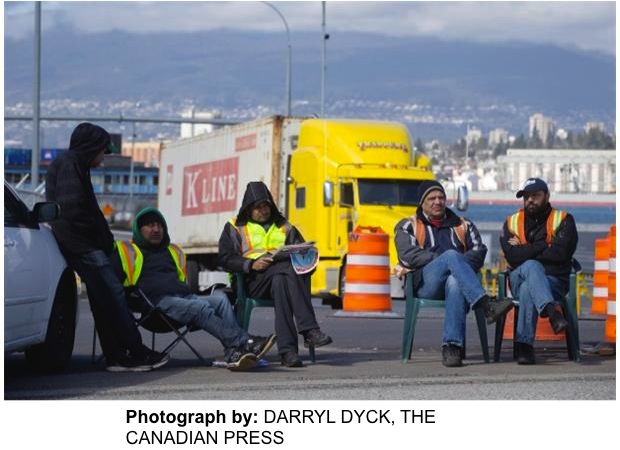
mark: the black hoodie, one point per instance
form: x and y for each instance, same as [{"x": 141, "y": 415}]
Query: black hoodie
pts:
[
  {"x": 230, "y": 256},
  {"x": 81, "y": 228}
]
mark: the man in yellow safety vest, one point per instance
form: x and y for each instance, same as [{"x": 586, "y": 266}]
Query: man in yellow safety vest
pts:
[
  {"x": 158, "y": 267},
  {"x": 538, "y": 242},
  {"x": 244, "y": 245}
]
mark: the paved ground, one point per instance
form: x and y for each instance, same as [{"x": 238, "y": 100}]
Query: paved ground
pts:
[{"x": 363, "y": 363}]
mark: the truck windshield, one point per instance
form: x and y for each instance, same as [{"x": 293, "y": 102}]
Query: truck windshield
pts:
[{"x": 389, "y": 192}]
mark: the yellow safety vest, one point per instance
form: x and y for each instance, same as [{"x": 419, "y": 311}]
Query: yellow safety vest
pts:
[
  {"x": 132, "y": 261},
  {"x": 516, "y": 224},
  {"x": 419, "y": 230},
  {"x": 255, "y": 241}
]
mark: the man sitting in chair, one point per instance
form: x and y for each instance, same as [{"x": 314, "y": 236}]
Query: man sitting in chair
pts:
[
  {"x": 444, "y": 251},
  {"x": 158, "y": 268},
  {"x": 244, "y": 243},
  {"x": 538, "y": 242}
]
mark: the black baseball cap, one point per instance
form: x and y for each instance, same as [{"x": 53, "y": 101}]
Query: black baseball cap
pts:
[{"x": 533, "y": 185}]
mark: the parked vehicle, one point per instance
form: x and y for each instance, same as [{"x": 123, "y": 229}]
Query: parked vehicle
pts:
[
  {"x": 40, "y": 291},
  {"x": 327, "y": 175}
]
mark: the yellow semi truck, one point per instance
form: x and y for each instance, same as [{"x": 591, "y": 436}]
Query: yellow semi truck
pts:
[{"x": 327, "y": 175}]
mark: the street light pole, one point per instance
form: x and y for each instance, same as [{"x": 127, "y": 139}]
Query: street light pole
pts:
[
  {"x": 36, "y": 100},
  {"x": 288, "y": 59}
]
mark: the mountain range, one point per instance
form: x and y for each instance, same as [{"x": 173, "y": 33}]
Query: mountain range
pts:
[{"x": 437, "y": 87}]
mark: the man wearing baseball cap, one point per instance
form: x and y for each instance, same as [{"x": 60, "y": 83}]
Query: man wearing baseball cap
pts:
[
  {"x": 538, "y": 242},
  {"x": 86, "y": 242},
  {"x": 444, "y": 252}
]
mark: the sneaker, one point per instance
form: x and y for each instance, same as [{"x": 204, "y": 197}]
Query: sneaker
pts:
[
  {"x": 525, "y": 354},
  {"x": 137, "y": 364},
  {"x": 316, "y": 338},
  {"x": 557, "y": 321},
  {"x": 493, "y": 308},
  {"x": 260, "y": 345},
  {"x": 240, "y": 360},
  {"x": 156, "y": 359},
  {"x": 451, "y": 356},
  {"x": 291, "y": 359}
]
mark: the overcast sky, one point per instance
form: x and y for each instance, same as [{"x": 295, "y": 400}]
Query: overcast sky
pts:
[{"x": 585, "y": 25}]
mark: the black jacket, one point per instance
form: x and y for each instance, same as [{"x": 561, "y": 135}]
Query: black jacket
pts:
[
  {"x": 557, "y": 258},
  {"x": 230, "y": 255},
  {"x": 81, "y": 228}
]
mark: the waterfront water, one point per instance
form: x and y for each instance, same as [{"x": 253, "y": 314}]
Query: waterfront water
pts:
[{"x": 591, "y": 215}]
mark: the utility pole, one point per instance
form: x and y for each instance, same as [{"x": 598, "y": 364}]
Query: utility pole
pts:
[
  {"x": 323, "y": 61},
  {"x": 36, "y": 98}
]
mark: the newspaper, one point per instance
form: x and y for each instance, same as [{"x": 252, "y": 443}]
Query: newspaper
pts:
[
  {"x": 287, "y": 250},
  {"x": 304, "y": 257}
]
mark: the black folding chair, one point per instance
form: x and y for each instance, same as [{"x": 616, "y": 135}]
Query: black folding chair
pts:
[{"x": 151, "y": 318}]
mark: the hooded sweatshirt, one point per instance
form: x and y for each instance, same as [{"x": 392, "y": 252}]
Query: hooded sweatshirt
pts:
[
  {"x": 81, "y": 228},
  {"x": 230, "y": 255},
  {"x": 159, "y": 273}
]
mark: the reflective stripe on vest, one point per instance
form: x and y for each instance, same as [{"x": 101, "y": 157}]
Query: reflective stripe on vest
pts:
[
  {"x": 255, "y": 241},
  {"x": 419, "y": 229},
  {"x": 516, "y": 224},
  {"x": 132, "y": 261}
]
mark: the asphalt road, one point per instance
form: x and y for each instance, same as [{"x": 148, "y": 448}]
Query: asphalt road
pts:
[{"x": 362, "y": 363}]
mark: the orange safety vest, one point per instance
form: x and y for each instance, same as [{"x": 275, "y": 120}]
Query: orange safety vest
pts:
[
  {"x": 516, "y": 224},
  {"x": 132, "y": 261},
  {"x": 255, "y": 241},
  {"x": 419, "y": 230}
]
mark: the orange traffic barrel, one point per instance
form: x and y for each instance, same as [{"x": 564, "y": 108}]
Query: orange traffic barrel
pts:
[
  {"x": 610, "y": 321},
  {"x": 601, "y": 275},
  {"x": 544, "y": 332},
  {"x": 367, "y": 273}
]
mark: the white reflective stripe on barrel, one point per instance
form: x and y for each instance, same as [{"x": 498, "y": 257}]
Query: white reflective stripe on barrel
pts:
[
  {"x": 611, "y": 308},
  {"x": 612, "y": 265},
  {"x": 368, "y": 260},
  {"x": 360, "y": 288},
  {"x": 601, "y": 265},
  {"x": 600, "y": 292}
]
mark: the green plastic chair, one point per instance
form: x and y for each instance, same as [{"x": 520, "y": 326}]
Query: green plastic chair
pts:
[
  {"x": 245, "y": 305},
  {"x": 412, "y": 309},
  {"x": 569, "y": 308}
]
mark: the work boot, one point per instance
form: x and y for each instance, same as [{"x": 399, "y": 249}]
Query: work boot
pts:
[
  {"x": 291, "y": 359},
  {"x": 556, "y": 319},
  {"x": 259, "y": 345},
  {"x": 451, "y": 356},
  {"x": 316, "y": 338},
  {"x": 525, "y": 354},
  {"x": 493, "y": 308}
]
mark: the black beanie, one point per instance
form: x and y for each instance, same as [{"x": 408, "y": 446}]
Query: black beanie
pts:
[
  {"x": 427, "y": 187},
  {"x": 149, "y": 217},
  {"x": 87, "y": 137}
]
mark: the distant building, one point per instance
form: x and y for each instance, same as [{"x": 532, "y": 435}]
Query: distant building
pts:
[
  {"x": 565, "y": 170},
  {"x": 497, "y": 136},
  {"x": 595, "y": 126},
  {"x": 561, "y": 134},
  {"x": 191, "y": 129},
  {"x": 473, "y": 135},
  {"x": 543, "y": 125},
  {"x": 146, "y": 153}
]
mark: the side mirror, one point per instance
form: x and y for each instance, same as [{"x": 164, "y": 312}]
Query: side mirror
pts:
[
  {"x": 45, "y": 212},
  {"x": 328, "y": 193},
  {"x": 462, "y": 198}
]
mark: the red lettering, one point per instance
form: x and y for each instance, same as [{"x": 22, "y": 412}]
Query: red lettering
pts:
[{"x": 210, "y": 187}]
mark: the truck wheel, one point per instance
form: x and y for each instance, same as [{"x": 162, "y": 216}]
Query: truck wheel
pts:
[
  {"x": 193, "y": 268},
  {"x": 54, "y": 354}
]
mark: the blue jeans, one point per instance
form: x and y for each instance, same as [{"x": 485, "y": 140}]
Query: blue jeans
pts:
[
  {"x": 449, "y": 276},
  {"x": 114, "y": 321},
  {"x": 535, "y": 290},
  {"x": 212, "y": 313}
]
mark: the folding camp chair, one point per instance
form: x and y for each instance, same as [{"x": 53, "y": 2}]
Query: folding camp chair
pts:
[
  {"x": 412, "y": 309},
  {"x": 151, "y": 318},
  {"x": 245, "y": 305}
]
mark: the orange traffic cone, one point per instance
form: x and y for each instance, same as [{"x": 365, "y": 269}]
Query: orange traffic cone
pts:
[
  {"x": 610, "y": 322},
  {"x": 601, "y": 275}
]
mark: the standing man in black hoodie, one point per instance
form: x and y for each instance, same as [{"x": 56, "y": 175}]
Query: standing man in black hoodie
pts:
[
  {"x": 258, "y": 228},
  {"x": 86, "y": 242}
]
